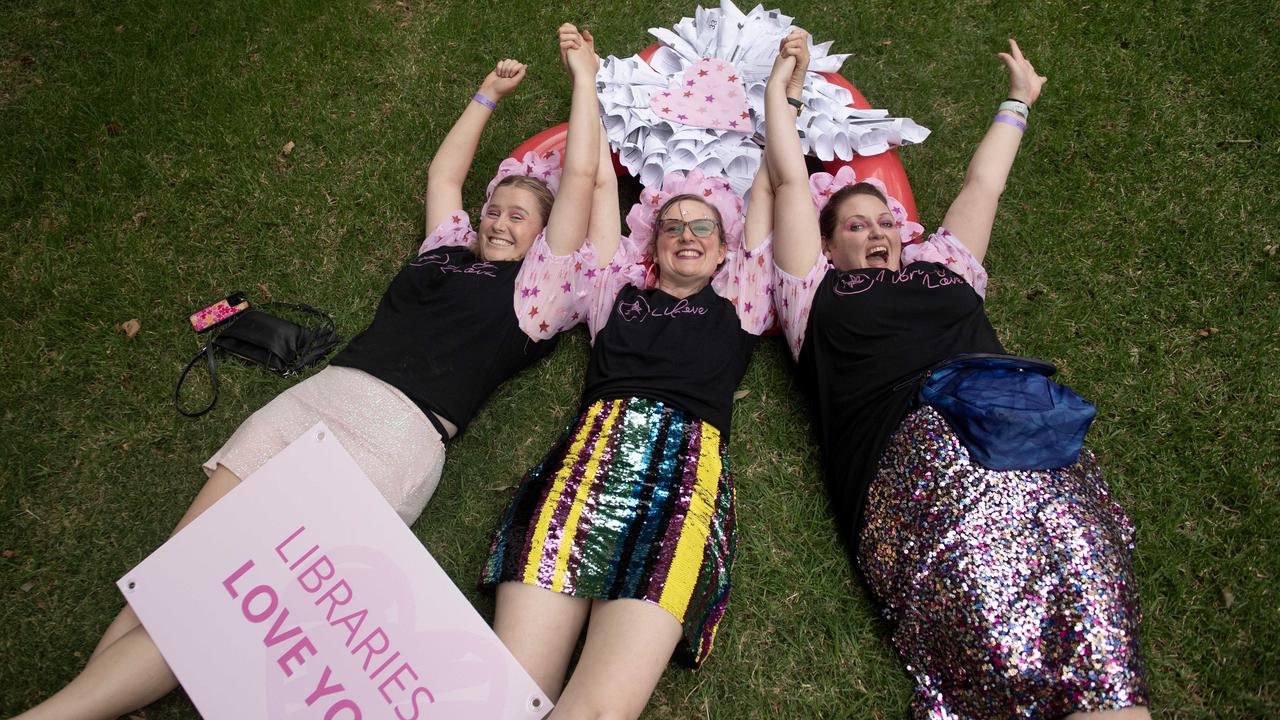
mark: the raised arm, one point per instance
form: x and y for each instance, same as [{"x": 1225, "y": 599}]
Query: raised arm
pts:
[
  {"x": 448, "y": 170},
  {"x": 796, "y": 249},
  {"x": 605, "y": 228},
  {"x": 759, "y": 222},
  {"x": 973, "y": 212},
  {"x": 567, "y": 226}
]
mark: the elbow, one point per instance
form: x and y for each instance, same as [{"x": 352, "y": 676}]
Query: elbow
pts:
[
  {"x": 580, "y": 174},
  {"x": 988, "y": 184}
]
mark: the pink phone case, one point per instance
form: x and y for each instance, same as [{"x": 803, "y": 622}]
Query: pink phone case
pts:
[{"x": 206, "y": 318}]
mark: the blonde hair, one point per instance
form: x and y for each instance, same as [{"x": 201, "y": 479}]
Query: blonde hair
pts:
[{"x": 540, "y": 191}]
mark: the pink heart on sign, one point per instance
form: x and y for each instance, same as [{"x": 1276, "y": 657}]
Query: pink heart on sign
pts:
[{"x": 709, "y": 94}]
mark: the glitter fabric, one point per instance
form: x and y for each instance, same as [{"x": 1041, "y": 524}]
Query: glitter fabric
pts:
[
  {"x": 1011, "y": 592},
  {"x": 635, "y": 501},
  {"x": 387, "y": 435}
]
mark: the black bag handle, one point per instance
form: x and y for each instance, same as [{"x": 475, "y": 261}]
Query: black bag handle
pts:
[{"x": 208, "y": 352}]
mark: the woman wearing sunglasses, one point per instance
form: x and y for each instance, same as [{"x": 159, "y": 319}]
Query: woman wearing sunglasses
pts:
[{"x": 627, "y": 524}]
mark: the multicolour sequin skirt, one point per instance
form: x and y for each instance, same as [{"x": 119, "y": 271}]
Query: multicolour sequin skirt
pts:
[
  {"x": 634, "y": 501},
  {"x": 1011, "y": 592}
]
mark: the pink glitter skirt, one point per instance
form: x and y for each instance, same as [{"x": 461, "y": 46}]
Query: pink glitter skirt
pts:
[
  {"x": 389, "y": 437},
  {"x": 1011, "y": 592}
]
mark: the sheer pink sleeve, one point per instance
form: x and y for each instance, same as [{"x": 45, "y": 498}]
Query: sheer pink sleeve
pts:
[
  {"x": 793, "y": 298},
  {"x": 552, "y": 291},
  {"x": 943, "y": 247},
  {"x": 454, "y": 231},
  {"x": 746, "y": 280},
  {"x": 627, "y": 268}
]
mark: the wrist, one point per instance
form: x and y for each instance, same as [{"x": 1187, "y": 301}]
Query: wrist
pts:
[
  {"x": 1009, "y": 118},
  {"x": 487, "y": 98}
]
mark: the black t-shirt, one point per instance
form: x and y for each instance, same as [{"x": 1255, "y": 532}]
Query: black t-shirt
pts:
[
  {"x": 691, "y": 352},
  {"x": 870, "y": 331},
  {"x": 445, "y": 333}
]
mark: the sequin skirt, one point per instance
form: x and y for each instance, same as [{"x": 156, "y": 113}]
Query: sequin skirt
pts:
[
  {"x": 386, "y": 433},
  {"x": 634, "y": 501},
  {"x": 1011, "y": 592}
]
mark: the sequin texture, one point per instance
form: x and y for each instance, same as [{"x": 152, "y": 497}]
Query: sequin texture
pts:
[
  {"x": 1011, "y": 592},
  {"x": 391, "y": 440},
  {"x": 634, "y": 501}
]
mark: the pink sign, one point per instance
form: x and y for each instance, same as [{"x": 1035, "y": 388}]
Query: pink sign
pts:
[
  {"x": 710, "y": 94},
  {"x": 302, "y": 594}
]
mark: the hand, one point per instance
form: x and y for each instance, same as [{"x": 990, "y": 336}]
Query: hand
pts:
[
  {"x": 796, "y": 45},
  {"x": 784, "y": 66},
  {"x": 578, "y": 51},
  {"x": 504, "y": 78},
  {"x": 1024, "y": 83}
]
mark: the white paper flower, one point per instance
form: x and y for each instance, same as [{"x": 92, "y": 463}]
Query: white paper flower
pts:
[{"x": 699, "y": 100}]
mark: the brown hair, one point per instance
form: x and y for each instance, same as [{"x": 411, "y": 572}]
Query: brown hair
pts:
[
  {"x": 691, "y": 198},
  {"x": 828, "y": 218},
  {"x": 540, "y": 191}
]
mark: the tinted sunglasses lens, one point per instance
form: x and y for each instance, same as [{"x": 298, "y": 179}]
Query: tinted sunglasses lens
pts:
[{"x": 703, "y": 228}]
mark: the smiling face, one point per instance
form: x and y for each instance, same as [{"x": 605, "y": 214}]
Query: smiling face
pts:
[
  {"x": 865, "y": 235},
  {"x": 509, "y": 224},
  {"x": 685, "y": 260}
]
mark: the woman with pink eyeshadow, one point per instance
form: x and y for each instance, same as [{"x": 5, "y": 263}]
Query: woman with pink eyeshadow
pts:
[{"x": 1011, "y": 592}]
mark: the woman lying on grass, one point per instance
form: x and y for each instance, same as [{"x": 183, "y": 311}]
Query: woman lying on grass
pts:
[
  {"x": 627, "y": 524},
  {"x": 449, "y": 330},
  {"x": 1010, "y": 591}
]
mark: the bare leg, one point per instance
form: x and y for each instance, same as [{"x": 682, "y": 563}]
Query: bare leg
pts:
[
  {"x": 126, "y": 671},
  {"x": 629, "y": 643},
  {"x": 540, "y": 628},
  {"x": 1137, "y": 712}
]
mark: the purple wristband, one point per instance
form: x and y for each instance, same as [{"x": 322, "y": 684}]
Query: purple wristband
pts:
[
  {"x": 485, "y": 101},
  {"x": 1011, "y": 120}
]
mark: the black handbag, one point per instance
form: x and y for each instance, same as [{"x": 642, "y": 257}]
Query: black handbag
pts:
[{"x": 281, "y": 346}]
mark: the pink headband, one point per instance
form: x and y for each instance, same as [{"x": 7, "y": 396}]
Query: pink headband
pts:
[
  {"x": 823, "y": 185},
  {"x": 539, "y": 167},
  {"x": 714, "y": 191}
]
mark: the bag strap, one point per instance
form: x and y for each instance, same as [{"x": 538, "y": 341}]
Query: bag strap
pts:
[
  {"x": 208, "y": 352},
  {"x": 301, "y": 307},
  {"x": 921, "y": 378}
]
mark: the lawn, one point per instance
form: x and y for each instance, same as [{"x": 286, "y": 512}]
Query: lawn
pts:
[{"x": 143, "y": 174}]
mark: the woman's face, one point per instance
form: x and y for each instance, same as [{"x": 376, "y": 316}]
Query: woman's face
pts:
[
  {"x": 510, "y": 224},
  {"x": 866, "y": 236},
  {"x": 682, "y": 255}
]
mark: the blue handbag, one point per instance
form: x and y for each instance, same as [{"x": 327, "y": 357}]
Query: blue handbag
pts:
[{"x": 1007, "y": 412}]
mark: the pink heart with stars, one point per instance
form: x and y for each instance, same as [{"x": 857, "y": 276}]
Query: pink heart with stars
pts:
[{"x": 709, "y": 94}]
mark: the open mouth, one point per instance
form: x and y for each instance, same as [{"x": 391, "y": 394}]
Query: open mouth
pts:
[
  {"x": 878, "y": 255},
  {"x": 688, "y": 254},
  {"x": 500, "y": 242}
]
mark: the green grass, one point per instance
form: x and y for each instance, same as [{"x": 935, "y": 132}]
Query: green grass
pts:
[{"x": 141, "y": 175}]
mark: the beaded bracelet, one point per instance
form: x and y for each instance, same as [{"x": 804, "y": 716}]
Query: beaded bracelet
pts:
[
  {"x": 1011, "y": 120},
  {"x": 485, "y": 101}
]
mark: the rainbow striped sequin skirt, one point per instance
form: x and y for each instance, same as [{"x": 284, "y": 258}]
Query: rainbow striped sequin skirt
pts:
[
  {"x": 634, "y": 501},
  {"x": 1011, "y": 592}
]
